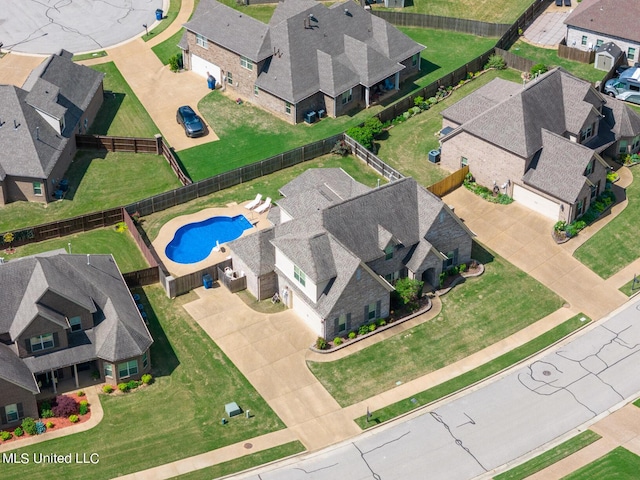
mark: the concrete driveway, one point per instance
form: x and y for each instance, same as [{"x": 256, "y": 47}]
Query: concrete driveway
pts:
[
  {"x": 14, "y": 69},
  {"x": 524, "y": 238}
]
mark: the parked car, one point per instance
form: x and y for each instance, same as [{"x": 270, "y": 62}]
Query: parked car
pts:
[
  {"x": 190, "y": 121},
  {"x": 631, "y": 97}
]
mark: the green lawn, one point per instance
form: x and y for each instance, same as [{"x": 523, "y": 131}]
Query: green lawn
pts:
[
  {"x": 477, "y": 374},
  {"x": 483, "y": 10},
  {"x": 87, "y": 56},
  {"x": 551, "y": 59},
  {"x": 243, "y": 463},
  {"x": 550, "y": 457},
  {"x": 268, "y": 186},
  {"x": 169, "y": 48},
  {"x": 121, "y": 113},
  {"x": 169, "y": 17},
  {"x": 177, "y": 417},
  {"x": 104, "y": 240},
  {"x": 616, "y": 245},
  {"x": 475, "y": 314},
  {"x": 98, "y": 181},
  {"x": 620, "y": 464},
  {"x": 407, "y": 151},
  {"x": 630, "y": 288}
]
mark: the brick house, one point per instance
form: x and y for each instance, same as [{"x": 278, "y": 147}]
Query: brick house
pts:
[
  {"x": 308, "y": 58},
  {"x": 593, "y": 23},
  {"x": 337, "y": 247},
  {"x": 543, "y": 144},
  {"x": 60, "y": 315},
  {"x": 38, "y": 125}
]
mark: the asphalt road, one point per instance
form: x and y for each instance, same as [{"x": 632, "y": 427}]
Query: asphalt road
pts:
[
  {"x": 495, "y": 424},
  {"x": 46, "y": 26}
]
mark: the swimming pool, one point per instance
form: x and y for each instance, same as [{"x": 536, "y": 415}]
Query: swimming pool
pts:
[{"x": 194, "y": 241}]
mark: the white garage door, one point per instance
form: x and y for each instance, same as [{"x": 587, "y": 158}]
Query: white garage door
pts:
[
  {"x": 306, "y": 313},
  {"x": 536, "y": 202},
  {"x": 201, "y": 67}
]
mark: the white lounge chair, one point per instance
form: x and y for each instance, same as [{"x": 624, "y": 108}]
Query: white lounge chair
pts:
[
  {"x": 264, "y": 207},
  {"x": 254, "y": 203}
]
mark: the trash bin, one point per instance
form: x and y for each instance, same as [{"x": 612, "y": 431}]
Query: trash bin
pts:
[
  {"x": 159, "y": 13},
  {"x": 207, "y": 281},
  {"x": 211, "y": 82}
]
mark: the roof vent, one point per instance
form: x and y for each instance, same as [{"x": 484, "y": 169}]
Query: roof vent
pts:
[
  {"x": 1, "y": 123},
  {"x": 15, "y": 124},
  {"x": 37, "y": 133}
]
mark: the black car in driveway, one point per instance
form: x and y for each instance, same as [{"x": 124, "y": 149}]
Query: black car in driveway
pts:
[{"x": 190, "y": 121}]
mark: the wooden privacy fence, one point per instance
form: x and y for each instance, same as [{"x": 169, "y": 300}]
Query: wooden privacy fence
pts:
[
  {"x": 143, "y": 242},
  {"x": 237, "y": 176},
  {"x": 575, "y": 54},
  {"x": 139, "y": 278},
  {"x": 474, "y": 27},
  {"x": 450, "y": 183},
  {"x": 372, "y": 160},
  {"x": 233, "y": 284},
  {"x": 63, "y": 228},
  {"x": 514, "y": 61},
  {"x": 175, "y": 286}
]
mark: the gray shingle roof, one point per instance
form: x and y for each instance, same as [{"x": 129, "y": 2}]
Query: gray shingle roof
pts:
[
  {"x": 624, "y": 121},
  {"x": 610, "y": 48},
  {"x": 617, "y": 18},
  {"x": 558, "y": 169},
  {"x": 97, "y": 286},
  {"x": 319, "y": 48},
  {"x": 13, "y": 370},
  {"x": 256, "y": 250},
  {"x": 231, "y": 29}
]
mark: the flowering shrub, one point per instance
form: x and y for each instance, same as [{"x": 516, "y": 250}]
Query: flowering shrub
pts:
[{"x": 64, "y": 406}]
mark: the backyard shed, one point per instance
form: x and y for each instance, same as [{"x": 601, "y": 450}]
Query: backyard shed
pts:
[{"x": 607, "y": 55}]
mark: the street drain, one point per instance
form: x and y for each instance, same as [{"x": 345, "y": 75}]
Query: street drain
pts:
[{"x": 546, "y": 373}]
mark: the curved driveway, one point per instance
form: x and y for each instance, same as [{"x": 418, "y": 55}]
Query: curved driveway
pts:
[{"x": 554, "y": 395}]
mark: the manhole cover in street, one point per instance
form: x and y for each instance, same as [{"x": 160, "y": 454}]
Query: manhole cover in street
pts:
[
  {"x": 546, "y": 373},
  {"x": 248, "y": 445}
]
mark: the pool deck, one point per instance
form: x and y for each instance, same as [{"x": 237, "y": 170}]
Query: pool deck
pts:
[{"x": 168, "y": 230}]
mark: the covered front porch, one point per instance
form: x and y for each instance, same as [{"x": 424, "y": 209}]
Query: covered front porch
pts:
[{"x": 56, "y": 381}]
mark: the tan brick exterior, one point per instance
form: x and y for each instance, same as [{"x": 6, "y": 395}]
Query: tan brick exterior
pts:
[{"x": 10, "y": 394}]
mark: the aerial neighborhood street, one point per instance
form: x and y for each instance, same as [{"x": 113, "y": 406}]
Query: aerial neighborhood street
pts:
[{"x": 297, "y": 239}]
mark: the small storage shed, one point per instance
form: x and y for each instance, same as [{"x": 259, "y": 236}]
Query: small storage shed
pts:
[{"x": 607, "y": 55}]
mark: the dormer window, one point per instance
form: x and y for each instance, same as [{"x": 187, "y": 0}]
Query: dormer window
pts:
[
  {"x": 75, "y": 323},
  {"x": 388, "y": 252},
  {"x": 41, "y": 342},
  {"x": 587, "y": 132},
  {"x": 589, "y": 169}
]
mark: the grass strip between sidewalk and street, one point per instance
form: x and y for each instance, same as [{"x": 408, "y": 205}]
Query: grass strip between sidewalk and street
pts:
[
  {"x": 168, "y": 18},
  {"x": 243, "y": 463},
  {"x": 619, "y": 463},
  {"x": 550, "y": 457},
  {"x": 477, "y": 374},
  {"x": 631, "y": 287}
]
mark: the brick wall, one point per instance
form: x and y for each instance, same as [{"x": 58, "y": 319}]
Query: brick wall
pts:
[{"x": 10, "y": 394}]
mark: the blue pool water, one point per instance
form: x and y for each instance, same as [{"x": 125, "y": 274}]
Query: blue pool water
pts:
[{"x": 194, "y": 241}]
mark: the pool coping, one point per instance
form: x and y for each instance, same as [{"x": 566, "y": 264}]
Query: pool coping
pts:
[{"x": 167, "y": 232}]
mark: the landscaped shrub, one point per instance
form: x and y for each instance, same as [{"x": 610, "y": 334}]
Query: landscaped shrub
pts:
[
  {"x": 18, "y": 432},
  {"x": 147, "y": 378},
  {"x": 81, "y": 393},
  {"x": 363, "y": 330},
  {"x": 73, "y": 418},
  {"x": 46, "y": 413},
  {"x": 409, "y": 289},
  {"x": 4, "y": 436},
  {"x": 337, "y": 341},
  {"x": 83, "y": 408},
  {"x": 462, "y": 268},
  {"x": 175, "y": 62},
  {"x": 123, "y": 387},
  {"x": 64, "y": 406},
  {"x": 485, "y": 193},
  {"x": 382, "y": 322},
  {"x": 321, "y": 343},
  {"x": 612, "y": 176},
  {"x": 372, "y": 327},
  {"x": 107, "y": 389},
  {"x": 40, "y": 428},
  {"x": 352, "y": 335},
  {"x": 29, "y": 425},
  {"x": 132, "y": 384},
  {"x": 341, "y": 148},
  {"x": 361, "y": 135},
  {"x": 418, "y": 101},
  {"x": 539, "y": 68},
  {"x": 497, "y": 62},
  {"x": 49, "y": 425}
]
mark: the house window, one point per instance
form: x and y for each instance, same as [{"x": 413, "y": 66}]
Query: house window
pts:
[
  {"x": 392, "y": 277},
  {"x": 372, "y": 314},
  {"x": 11, "y": 411},
  {"x": 108, "y": 370},
  {"x": 287, "y": 108},
  {"x": 201, "y": 40},
  {"x": 464, "y": 161},
  {"x": 388, "y": 252},
  {"x": 127, "y": 369},
  {"x": 631, "y": 53},
  {"x": 342, "y": 323},
  {"x": 75, "y": 323},
  {"x": 584, "y": 40},
  {"x": 37, "y": 189},
  {"x": 256, "y": 90},
  {"x": 230, "y": 78},
  {"x": 586, "y": 133},
  {"x": 347, "y": 96},
  {"x": 246, "y": 63},
  {"x": 580, "y": 208},
  {"x": 145, "y": 360},
  {"x": 42, "y": 342},
  {"x": 623, "y": 146},
  {"x": 62, "y": 124},
  {"x": 594, "y": 191},
  {"x": 299, "y": 275},
  {"x": 589, "y": 169},
  {"x": 599, "y": 43},
  {"x": 452, "y": 259},
  {"x": 414, "y": 59}
]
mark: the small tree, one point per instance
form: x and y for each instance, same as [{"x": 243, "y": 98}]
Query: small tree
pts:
[
  {"x": 409, "y": 290},
  {"x": 539, "y": 68},
  {"x": 8, "y": 238},
  {"x": 362, "y": 135},
  {"x": 64, "y": 406},
  {"x": 496, "y": 61}
]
